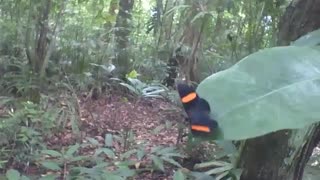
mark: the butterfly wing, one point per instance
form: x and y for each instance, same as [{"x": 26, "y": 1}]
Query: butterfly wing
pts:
[{"x": 198, "y": 110}]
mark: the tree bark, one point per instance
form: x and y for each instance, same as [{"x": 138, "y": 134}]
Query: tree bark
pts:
[
  {"x": 111, "y": 18},
  {"x": 191, "y": 38},
  {"x": 301, "y": 17},
  {"x": 122, "y": 31},
  {"x": 42, "y": 36},
  {"x": 283, "y": 155}
]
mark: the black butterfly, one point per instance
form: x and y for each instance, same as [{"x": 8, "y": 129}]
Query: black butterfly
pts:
[{"x": 197, "y": 109}]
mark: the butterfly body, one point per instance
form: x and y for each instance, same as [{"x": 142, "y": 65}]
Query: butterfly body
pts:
[{"x": 197, "y": 109}]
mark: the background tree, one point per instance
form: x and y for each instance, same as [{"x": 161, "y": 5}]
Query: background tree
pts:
[
  {"x": 122, "y": 30},
  {"x": 258, "y": 159}
]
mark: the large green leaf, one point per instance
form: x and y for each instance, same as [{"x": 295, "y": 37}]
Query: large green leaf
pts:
[
  {"x": 178, "y": 175},
  {"x": 311, "y": 39},
  {"x": 51, "y": 165},
  {"x": 273, "y": 89},
  {"x": 13, "y": 174}
]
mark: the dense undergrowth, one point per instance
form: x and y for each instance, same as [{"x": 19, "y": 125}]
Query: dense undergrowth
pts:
[
  {"x": 46, "y": 137},
  {"x": 43, "y": 130}
]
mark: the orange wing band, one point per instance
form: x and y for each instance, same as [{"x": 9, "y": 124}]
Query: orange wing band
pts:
[
  {"x": 189, "y": 97},
  {"x": 200, "y": 128}
]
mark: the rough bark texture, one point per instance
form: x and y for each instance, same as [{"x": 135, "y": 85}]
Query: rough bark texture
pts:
[
  {"x": 42, "y": 41},
  {"x": 301, "y": 17},
  {"x": 122, "y": 31},
  {"x": 111, "y": 17},
  {"x": 191, "y": 38},
  {"x": 284, "y": 154},
  {"x": 262, "y": 157}
]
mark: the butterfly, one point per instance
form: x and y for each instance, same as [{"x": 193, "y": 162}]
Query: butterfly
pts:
[{"x": 197, "y": 109}]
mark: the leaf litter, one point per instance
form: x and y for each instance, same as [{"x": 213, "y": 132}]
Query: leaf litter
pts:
[{"x": 147, "y": 118}]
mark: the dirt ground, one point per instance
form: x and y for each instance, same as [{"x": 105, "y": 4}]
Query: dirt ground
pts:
[{"x": 115, "y": 114}]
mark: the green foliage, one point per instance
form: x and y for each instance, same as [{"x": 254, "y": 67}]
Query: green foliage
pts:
[
  {"x": 271, "y": 90},
  {"x": 133, "y": 74},
  {"x": 23, "y": 128},
  {"x": 310, "y": 39},
  {"x": 105, "y": 162},
  {"x": 82, "y": 36},
  {"x": 25, "y": 125},
  {"x": 13, "y": 174},
  {"x": 18, "y": 78},
  {"x": 76, "y": 163},
  {"x": 219, "y": 163},
  {"x": 160, "y": 154},
  {"x": 222, "y": 169},
  {"x": 143, "y": 89},
  {"x": 178, "y": 175}
]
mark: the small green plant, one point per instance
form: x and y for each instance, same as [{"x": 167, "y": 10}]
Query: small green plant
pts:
[
  {"x": 19, "y": 79},
  {"x": 23, "y": 130},
  {"x": 218, "y": 160},
  {"x": 220, "y": 169},
  {"x": 13, "y": 174},
  {"x": 140, "y": 88},
  {"x": 104, "y": 163},
  {"x": 61, "y": 160},
  {"x": 161, "y": 154}
]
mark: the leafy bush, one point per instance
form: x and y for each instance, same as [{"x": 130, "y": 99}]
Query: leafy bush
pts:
[
  {"x": 143, "y": 89},
  {"x": 22, "y": 132}
]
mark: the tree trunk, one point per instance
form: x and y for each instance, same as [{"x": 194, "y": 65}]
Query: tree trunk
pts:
[
  {"x": 42, "y": 36},
  {"x": 111, "y": 18},
  {"x": 283, "y": 155},
  {"x": 192, "y": 38},
  {"x": 122, "y": 31}
]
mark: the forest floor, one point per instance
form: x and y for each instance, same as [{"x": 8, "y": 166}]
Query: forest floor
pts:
[{"x": 151, "y": 120}]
